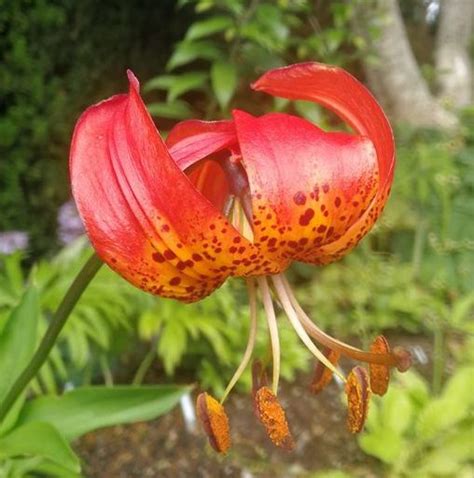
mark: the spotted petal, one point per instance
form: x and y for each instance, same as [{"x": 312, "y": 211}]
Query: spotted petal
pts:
[
  {"x": 144, "y": 217},
  {"x": 337, "y": 90}
]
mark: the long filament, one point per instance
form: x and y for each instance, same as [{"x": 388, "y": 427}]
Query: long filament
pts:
[
  {"x": 299, "y": 329},
  {"x": 250, "y": 342},
  {"x": 273, "y": 330},
  {"x": 322, "y": 337}
]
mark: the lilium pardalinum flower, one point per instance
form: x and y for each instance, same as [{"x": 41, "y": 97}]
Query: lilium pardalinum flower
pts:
[{"x": 244, "y": 197}]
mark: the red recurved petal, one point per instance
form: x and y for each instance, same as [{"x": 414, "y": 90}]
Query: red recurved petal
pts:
[
  {"x": 193, "y": 140},
  {"x": 340, "y": 92},
  {"x": 308, "y": 187},
  {"x": 143, "y": 215},
  {"x": 197, "y": 146}
]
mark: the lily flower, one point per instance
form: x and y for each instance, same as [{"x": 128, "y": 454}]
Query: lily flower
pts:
[{"x": 244, "y": 197}]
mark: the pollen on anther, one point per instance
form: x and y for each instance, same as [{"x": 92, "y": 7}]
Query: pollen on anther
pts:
[
  {"x": 214, "y": 422},
  {"x": 379, "y": 374},
  {"x": 273, "y": 418},
  {"x": 358, "y": 397}
]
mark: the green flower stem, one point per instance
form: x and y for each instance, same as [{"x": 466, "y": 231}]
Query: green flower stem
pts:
[{"x": 58, "y": 320}]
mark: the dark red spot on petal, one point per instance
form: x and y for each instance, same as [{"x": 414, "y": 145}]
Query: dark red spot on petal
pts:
[
  {"x": 158, "y": 257},
  {"x": 271, "y": 242},
  {"x": 306, "y": 217},
  {"x": 169, "y": 255},
  {"x": 300, "y": 198}
]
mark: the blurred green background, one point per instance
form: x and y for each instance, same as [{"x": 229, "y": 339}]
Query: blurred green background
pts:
[{"x": 411, "y": 278}]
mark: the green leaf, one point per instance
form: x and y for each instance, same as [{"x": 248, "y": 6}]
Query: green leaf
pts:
[
  {"x": 12, "y": 416},
  {"x": 383, "y": 444},
  {"x": 309, "y": 111},
  {"x": 18, "y": 339},
  {"x": 224, "y": 82},
  {"x": 85, "y": 409},
  {"x": 177, "y": 110},
  {"x": 438, "y": 416},
  {"x": 208, "y": 27},
  {"x": 186, "y": 52},
  {"x": 172, "y": 344},
  {"x": 397, "y": 411},
  {"x": 186, "y": 82},
  {"x": 460, "y": 387},
  {"x": 162, "y": 82},
  {"x": 176, "y": 85},
  {"x": 39, "y": 439}
]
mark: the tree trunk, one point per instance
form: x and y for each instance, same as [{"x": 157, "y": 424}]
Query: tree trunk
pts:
[
  {"x": 396, "y": 76},
  {"x": 452, "y": 61}
]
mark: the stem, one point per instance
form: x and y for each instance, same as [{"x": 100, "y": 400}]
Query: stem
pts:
[
  {"x": 106, "y": 372},
  {"x": 147, "y": 361},
  {"x": 438, "y": 356},
  {"x": 418, "y": 245},
  {"x": 58, "y": 320}
]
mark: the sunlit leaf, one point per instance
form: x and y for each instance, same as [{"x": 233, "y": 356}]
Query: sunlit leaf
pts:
[
  {"x": 39, "y": 439},
  {"x": 18, "y": 339},
  {"x": 208, "y": 27},
  {"x": 85, "y": 409},
  {"x": 224, "y": 82}
]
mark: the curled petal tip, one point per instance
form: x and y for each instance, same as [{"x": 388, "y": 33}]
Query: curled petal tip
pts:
[
  {"x": 133, "y": 81},
  {"x": 214, "y": 422}
]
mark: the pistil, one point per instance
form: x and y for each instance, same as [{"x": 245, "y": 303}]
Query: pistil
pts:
[{"x": 297, "y": 325}]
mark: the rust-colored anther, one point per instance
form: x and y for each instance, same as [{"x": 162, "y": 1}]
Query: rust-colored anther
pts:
[
  {"x": 214, "y": 422},
  {"x": 379, "y": 374},
  {"x": 273, "y": 418},
  {"x": 358, "y": 396},
  {"x": 322, "y": 375}
]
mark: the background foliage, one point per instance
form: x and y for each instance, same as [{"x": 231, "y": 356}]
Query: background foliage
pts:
[{"x": 412, "y": 275}]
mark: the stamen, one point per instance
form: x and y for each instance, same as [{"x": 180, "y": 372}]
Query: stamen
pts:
[
  {"x": 358, "y": 397},
  {"x": 259, "y": 377},
  {"x": 251, "y": 339},
  {"x": 399, "y": 358},
  {"x": 228, "y": 205},
  {"x": 322, "y": 375},
  {"x": 299, "y": 329},
  {"x": 273, "y": 330},
  {"x": 214, "y": 422},
  {"x": 273, "y": 418},
  {"x": 379, "y": 374}
]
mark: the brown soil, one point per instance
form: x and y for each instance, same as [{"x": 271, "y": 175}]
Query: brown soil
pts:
[{"x": 163, "y": 448}]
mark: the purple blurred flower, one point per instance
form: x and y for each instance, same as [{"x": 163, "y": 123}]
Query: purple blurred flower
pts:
[
  {"x": 12, "y": 241},
  {"x": 70, "y": 225}
]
